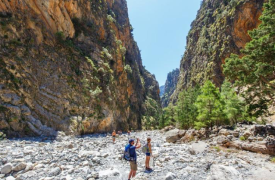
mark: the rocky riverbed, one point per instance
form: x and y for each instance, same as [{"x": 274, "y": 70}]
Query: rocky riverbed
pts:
[{"x": 96, "y": 157}]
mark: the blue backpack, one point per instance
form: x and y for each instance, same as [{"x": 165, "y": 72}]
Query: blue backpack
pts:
[{"x": 127, "y": 155}]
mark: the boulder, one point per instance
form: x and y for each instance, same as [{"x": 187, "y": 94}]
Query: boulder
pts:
[
  {"x": 189, "y": 136},
  {"x": 247, "y": 134},
  {"x": 70, "y": 146},
  {"x": 270, "y": 130},
  {"x": 270, "y": 144},
  {"x": 167, "y": 128},
  {"x": 230, "y": 137},
  {"x": 181, "y": 133},
  {"x": 55, "y": 171},
  {"x": 170, "y": 176},
  {"x": 264, "y": 130},
  {"x": 7, "y": 168},
  {"x": 236, "y": 134},
  {"x": 20, "y": 166},
  {"x": 224, "y": 132},
  {"x": 251, "y": 139},
  {"x": 201, "y": 133},
  {"x": 222, "y": 140},
  {"x": 10, "y": 178},
  {"x": 172, "y": 135},
  {"x": 221, "y": 172},
  {"x": 253, "y": 147}
]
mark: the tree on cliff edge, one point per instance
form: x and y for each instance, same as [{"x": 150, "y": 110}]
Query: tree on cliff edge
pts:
[{"x": 255, "y": 71}]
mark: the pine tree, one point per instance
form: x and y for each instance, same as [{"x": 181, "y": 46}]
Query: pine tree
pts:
[
  {"x": 209, "y": 106},
  {"x": 169, "y": 115},
  {"x": 255, "y": 71},
  {"x": 233, "y": 106},
  {"x": 186, "y": 110}
]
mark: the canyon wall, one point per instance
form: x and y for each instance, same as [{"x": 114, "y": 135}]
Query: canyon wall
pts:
[
  {"x": 220, "y": 28},
  {"x": 72, "y": 66}
]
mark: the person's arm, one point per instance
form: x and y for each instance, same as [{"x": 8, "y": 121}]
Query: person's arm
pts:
[
  {"x": 150, "y": 148},
  {"x": 138, "y": 145}
]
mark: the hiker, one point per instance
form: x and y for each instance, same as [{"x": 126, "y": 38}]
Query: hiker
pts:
[
  {"x": 148, "y": 154},
  {"x": 114, "y": 136},
  {"x": 133, "y": 156},
  {"x": 120, "y": 132}
]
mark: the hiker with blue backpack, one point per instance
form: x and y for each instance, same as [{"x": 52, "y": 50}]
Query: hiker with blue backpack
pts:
[{"x": 131, "y": 156}]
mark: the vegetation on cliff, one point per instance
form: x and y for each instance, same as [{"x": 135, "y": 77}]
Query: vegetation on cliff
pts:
[
  {"x": 219, "y": 29},
  {"x": 254, "y": 72}
]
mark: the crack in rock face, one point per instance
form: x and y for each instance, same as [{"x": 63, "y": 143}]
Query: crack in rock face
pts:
[{"x": 96, "y": 157}]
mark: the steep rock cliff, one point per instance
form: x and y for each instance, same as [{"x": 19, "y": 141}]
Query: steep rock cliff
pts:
[
  {"x": 220, "y": 28},
  {"x": 70, "y": 65},
  {"x": 161, "y": 89},
  {"x": 170, "y": 86}
]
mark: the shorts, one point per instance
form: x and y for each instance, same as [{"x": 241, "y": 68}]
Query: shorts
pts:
[
  {"x": 114, "y": 137},
  {"x": 133, "y": 165},
  {"x": 148, "y": 154}
]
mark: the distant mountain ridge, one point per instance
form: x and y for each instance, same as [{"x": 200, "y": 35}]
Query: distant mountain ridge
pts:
[{"x": 170, "y": 86}]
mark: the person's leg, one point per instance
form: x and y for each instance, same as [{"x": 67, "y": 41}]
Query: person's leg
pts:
[
  {"x": 147, "y": 162},
  {"x": 130, "y": 174},
  {"x": 134, "y": 174}
]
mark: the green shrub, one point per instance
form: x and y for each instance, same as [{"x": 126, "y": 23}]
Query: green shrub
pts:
[
  {"x": 3, "y": 108},
  {"x": 128, "y": 69},
  {"x": 2, "y": 136},
  {"x": 242, "y": 138},
  {"x": 199, "y": 125},
  {"x": 217, "y": 148},
  {"x": 105, "y": 53},
  {"x": 118, "y": 42},
  {"x": 273, "y": 160},
  {"x": 60, "y": 37},
  {"x": 90, "y": 62},
  {"x": 110, "y": 19},
  {"x": 123, "y": 50},
  {"x": 96, "y": 92}
]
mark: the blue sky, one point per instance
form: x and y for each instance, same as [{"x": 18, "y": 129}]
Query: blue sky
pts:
[{"x": 160, "y": 29}]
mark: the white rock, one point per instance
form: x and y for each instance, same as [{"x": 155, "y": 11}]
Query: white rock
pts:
[
  {"x": 109, "y": 172},
  {"x": 10, "y": 178},
  {"x": 20, "y": 166},
  {"x": 29, "y": 167},
  {"x": 221, "y": 172},
  {"x": 7, "y": 168},
  {"x": 170, "y": 176},
  {"x": 55, "y": 171}
]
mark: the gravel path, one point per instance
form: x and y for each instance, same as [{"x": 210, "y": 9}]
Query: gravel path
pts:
[{"x": 96, "y": 157}]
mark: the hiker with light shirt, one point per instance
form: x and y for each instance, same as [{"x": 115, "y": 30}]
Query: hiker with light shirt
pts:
[{"x": 148, "y": 154}]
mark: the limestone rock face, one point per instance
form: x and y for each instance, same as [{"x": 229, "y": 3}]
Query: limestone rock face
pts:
[
  {"x": 70, "y": 66},
  {"x": 221, "y": 28},
  {"x": 170, "y": 86}
]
